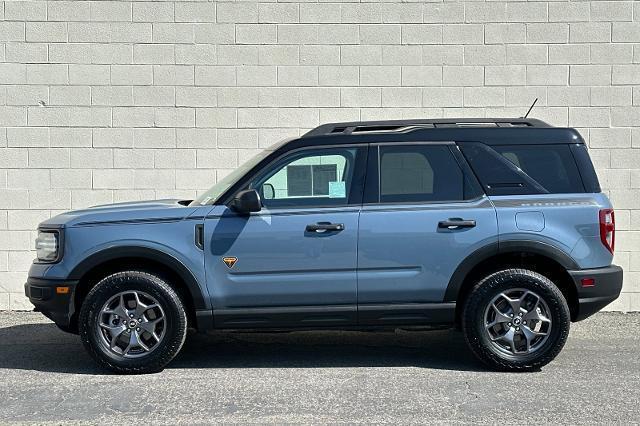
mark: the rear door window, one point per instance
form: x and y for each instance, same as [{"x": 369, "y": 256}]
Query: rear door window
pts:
[{"x": 421, "y": 173}]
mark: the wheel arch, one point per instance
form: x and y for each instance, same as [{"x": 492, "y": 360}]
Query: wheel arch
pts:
[
  {"x": 540, "y": 257},
  {"x": 116, "y": 259}
]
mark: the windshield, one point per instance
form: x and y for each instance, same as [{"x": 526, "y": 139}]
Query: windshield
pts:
[{"x": 228, "y": 181}]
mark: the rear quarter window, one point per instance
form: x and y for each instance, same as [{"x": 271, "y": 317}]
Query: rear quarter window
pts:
[
  {"x": 524, "y": 169},
  {"x": 552, "y": 166}
]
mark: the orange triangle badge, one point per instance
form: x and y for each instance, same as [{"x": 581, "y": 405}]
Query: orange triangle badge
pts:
[{"x": 229, "y": 261}]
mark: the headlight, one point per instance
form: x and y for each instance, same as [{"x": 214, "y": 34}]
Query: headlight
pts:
[{"x": 48, "y": 246}]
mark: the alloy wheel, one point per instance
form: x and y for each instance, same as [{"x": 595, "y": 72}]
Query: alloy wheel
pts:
[
  {"x": 517, "y": 322},
  {"x": 131, "y": 324}
]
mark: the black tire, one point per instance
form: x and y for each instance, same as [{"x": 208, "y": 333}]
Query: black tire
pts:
[
  {"x": 477, "y": 305},
  {"x": 175, "y": 325}
]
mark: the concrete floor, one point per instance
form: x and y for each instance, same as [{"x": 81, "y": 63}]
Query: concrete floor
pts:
[{"x": 321, "y": 377}]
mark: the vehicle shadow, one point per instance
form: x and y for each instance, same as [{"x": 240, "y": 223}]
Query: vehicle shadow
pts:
[{"x": 42, "y": 347}]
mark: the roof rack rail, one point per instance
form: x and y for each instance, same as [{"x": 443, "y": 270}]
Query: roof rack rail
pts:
[{"x": 408, "y": 125}]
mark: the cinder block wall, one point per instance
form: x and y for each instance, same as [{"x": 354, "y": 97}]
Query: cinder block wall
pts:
[{"x": 106, "y": 101}]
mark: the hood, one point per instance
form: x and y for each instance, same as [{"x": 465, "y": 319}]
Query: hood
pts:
[{"x": 129, "y": 212}]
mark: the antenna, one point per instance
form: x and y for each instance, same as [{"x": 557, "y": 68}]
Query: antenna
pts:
[{"x": 530, "y": 108}]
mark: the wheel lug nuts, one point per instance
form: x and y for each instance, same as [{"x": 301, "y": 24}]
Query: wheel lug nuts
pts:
[
  {"x": 517, "y": 328},
  {"x": 511, "y": 315},
  {"x": 130, "y": 315},
  {"x": 509, "y": 324},
  {"x": 138, "y": 329}
]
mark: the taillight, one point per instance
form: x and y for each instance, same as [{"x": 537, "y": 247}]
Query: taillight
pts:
[{"x": 608, "y": 229}]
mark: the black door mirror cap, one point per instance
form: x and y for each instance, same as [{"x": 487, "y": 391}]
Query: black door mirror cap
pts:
[{"x": 247, "y": 201}]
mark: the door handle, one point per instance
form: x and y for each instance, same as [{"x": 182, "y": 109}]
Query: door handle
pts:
[
  {"x": 324, "y": 227},
  {"x": 456, "y": 223},
  {"x": 199, "y": 236}
]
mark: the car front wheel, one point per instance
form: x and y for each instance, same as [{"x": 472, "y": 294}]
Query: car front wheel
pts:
[
  {"x": 516, "y": 320},
  {"x": 133, "y": 322}
]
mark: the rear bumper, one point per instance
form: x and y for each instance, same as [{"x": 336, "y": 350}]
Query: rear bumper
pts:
[
  {"x": 55, "y": 306},
  {"x": 607, "y": 283}
]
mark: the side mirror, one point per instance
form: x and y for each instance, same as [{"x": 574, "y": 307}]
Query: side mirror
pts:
[
  {"x": 246, "y": 201},
  {"x": 268, "y": 191}
]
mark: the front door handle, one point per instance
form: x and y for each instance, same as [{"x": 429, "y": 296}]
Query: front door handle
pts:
[
  {"x": 199, "y": 236},
  {"x": 456, "y": 223},
  {"x": 324, "y": 227}
]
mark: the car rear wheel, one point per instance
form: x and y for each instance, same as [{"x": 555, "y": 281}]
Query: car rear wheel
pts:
[
  {"x": 133, "y": 322},
  {"x": 516, "y": 320}
]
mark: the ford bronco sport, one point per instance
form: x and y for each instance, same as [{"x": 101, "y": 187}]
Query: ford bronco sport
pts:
[{"x": 497, "y": 226}]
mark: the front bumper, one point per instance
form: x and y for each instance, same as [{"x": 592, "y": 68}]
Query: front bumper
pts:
[
  {"x": 607, "y": 284},
  {"x": 60, "y": 308}
]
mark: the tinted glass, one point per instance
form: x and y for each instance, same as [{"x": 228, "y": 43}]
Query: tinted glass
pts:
[
  {"x": 420, "y": 173},
  {"x": 552, "y": 166},
  {"x": 497, "y": 175},
  {"x": 309, "y": 179},
  {"x": 524, "y": 169}
]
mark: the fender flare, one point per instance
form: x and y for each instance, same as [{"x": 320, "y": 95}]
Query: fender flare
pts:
[
  {"x": 155, "y": 255},
  {"x": 503, "y": 247}
]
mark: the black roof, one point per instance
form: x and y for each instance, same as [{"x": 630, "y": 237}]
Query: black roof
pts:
[{"x": 495, "y": 131}]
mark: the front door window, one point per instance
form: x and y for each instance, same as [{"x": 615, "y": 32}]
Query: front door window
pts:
[{"x": 316, "y": 178}]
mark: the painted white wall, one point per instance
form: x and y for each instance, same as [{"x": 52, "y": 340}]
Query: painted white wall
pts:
[{"x": 104, "y": 101}]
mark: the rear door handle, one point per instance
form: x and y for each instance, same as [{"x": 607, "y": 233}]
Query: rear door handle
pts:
[
  {"x": 324, "y": 227},
  {"x": 456, "y": 223}
]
